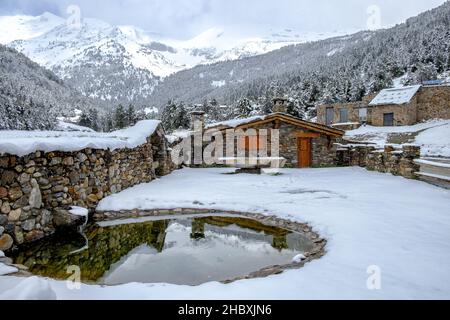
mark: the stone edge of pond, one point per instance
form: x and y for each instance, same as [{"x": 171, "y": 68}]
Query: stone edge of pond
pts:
[{"x": 319, "y": 243}]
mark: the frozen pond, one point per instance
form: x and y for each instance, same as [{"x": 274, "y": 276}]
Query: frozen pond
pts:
[{"x": 178, "y": 250}]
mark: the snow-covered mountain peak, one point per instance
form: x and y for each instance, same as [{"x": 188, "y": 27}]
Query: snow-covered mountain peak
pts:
[
  {"x": 22, "y": 27},
  {"x": 93, "y": 55}
]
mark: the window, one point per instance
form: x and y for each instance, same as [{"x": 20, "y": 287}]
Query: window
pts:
[
  {"x": 363, "y": 115},
  {"x": 343, "y": 114},
  {"x": 329, "y": 116}
]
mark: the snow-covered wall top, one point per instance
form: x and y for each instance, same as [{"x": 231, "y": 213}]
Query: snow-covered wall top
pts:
[
  {"x": 235, "y": 122},
  {"x": 21, "y": 143}
]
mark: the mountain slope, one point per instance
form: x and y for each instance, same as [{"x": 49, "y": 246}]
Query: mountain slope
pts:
[
  {"x": 30, "y": 96},
  {"x": 338, "y": 69},
  {"x": 122, "y": 64}
]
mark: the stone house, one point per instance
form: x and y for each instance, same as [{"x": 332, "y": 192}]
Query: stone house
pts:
[
  {"x": 302, "y": 143},
  {"x": 391, "y": 107}
]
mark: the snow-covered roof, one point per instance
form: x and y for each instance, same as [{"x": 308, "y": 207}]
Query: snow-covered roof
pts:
[
  {"x": 235, "y": 122},
  {"x": 395, "y": 96},
  {"x": 21, "y": 143}
]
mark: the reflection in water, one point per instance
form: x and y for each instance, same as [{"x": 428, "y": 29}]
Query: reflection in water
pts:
[{"x": 179, "y": 251}]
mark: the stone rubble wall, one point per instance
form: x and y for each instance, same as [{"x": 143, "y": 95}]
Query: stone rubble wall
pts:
[
  {"x": 36, "y": 190},
  {"x": 388, "y": 160}
]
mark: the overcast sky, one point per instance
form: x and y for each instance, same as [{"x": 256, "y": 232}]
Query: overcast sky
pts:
[{"x": 186, "y": 18}]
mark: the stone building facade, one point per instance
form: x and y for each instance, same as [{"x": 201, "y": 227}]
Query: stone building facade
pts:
[
  {"x": 301, "y": 143},
  {"x": 391, "y": 107},
  {"x": 36, "y": 190}
]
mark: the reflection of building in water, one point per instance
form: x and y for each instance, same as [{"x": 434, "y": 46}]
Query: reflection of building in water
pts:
[
  {"x": 198, "y": 229},
  {"x": 280, "y": 242},
  {"x": 50, "y": 258},
  {"x": 279, "y": 236}
]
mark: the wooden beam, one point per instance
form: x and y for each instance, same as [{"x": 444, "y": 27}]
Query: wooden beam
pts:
[{"x": 307, "y": 135}]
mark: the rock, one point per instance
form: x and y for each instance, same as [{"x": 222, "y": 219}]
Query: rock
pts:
[
  {"x": 5, "y": 208},
  {"x": 29, "y": 224},
  {"x": 3, "y": 192},
  {"x": 2, "y": 229},
  {"x": 25, "y": 214},
  {"x": 34, "y": 235},
  {"x": 68, "y": 161},
  {"x": 30, "y": 170},
  {"x": 43, "y": 182},
  {"x": 46, "y": 217},
  {"x": 18, "y": 234},
  {"x": 63, "y": 218},
  {"x": 15, "y": 193},
  {"x": 22, "y": 202},
  {"x": 55, "y": 161},
  {"x": 15, "y": 215},
  {"x": 82, "y": 157},
  {"x": 35, "y": 200},
  {"x": 8, "y": 177},
  {"x": 6, "y": 242},
  {"x": 24, "y": 178},
  {"x": 58, "y": 188},
  {"x": 4, "y": 161},
  {"x": 30, "y": 164},
  {"x": 92, "y": 198}
]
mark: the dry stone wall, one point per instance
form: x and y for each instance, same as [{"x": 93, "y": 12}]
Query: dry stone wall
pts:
[
  {"x": 37, "y": 190},
  {"x": 397, "y": 161}
]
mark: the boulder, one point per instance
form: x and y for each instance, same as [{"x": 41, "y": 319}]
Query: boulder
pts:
[
  {"x": 34, "y": 235},
  {"x": 3, "y": 192},
  {"x": 35, "y": 199},
  {"x": 14, "y": 215},
  {"x": 6, "y": 242},
  {"x": 64, "y": 219}
]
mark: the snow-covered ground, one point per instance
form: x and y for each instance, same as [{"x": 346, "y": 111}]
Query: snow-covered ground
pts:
[
  {"x": 435, "y": 141},
  {"x": 369, "y": 219},
  {"x": 21, "y": 143},
  {"x": 433, "y": 136}
]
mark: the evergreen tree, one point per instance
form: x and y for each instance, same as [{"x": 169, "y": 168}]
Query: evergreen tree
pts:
[{"x": 120, "y": 118}]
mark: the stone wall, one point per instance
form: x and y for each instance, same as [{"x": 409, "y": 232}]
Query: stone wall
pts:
[
  {"x": 433, "y": 103},
  {"x": 388, "y": 160},
  {"x": 37, "y": 189}
]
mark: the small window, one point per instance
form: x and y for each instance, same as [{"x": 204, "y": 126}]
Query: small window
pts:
[
  {"x": 343, "y": 113},
  {"x": 363, "y": 115}
]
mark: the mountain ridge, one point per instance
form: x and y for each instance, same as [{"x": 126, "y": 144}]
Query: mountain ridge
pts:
[{"x": 123, "y": 64}]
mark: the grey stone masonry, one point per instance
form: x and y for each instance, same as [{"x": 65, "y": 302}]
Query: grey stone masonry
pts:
[
  {"x": 397, "y": 161},
  {"x": 36, "y": 189}
]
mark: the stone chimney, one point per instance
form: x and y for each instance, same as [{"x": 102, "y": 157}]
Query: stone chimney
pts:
[
  {"x": 198, "y": 117},
  {"x": 279, "y": 105}
]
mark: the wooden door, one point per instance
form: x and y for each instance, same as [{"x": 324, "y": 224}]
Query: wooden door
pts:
[
  {"x": 388, "y": 120},
  {"x": 304, "y": 153}
]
